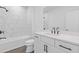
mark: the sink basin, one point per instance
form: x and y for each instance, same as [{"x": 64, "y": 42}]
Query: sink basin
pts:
[
  {"x": 54, "y": 34},
  {"x": 48, "y": 33}
]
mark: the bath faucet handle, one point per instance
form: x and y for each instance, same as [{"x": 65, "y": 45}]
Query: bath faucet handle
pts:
[
  {"x": 1, "y": 32},
  {"x": 57, "y": 28},
  {"x": 58, "y": 32},
  {"x": 52, "y": 30}
]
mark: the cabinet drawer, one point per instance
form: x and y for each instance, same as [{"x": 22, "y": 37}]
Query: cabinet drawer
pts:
[
  {"x": 47, "y": 40},
  {"x": 66, "y": 46}
]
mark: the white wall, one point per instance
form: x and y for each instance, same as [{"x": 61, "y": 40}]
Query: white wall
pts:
[
  {"x": 2, "y": 21},
  {"x": 55, "y": 19},
  {"x": 18, "y": 21},
  {"x": 72, "y": 21},
  {"x": 56, "y": 16},
  {"x": 37, "y": 21}
]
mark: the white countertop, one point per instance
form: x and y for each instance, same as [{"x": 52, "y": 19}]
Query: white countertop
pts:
[{"x": 64, "y": 37}]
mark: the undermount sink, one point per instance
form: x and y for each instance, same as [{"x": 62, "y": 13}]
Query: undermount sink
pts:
[
  {"x": 58, "y": 35},
  {"x": 54, "y": 34},
  {"x": 51, "y": 34}
]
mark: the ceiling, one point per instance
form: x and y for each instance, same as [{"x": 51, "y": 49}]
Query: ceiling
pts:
[{"x": 50, "y": 8}]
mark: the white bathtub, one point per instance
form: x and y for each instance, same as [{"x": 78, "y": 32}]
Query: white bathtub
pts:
[{"x": 12, "y": 43}]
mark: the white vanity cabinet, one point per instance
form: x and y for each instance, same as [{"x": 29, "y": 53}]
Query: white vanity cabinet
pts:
[
  {"x": 43, "y": 47},
  {"x": 46, "y": 44},
  {"x": 42, "y": 44}
]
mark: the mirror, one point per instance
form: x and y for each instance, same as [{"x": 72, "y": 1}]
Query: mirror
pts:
[
  {"x": 72, "y": 21},
  {"x": 64, "y": 17}
]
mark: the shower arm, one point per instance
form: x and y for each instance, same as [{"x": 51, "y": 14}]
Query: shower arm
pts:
[{"x": 4, "y": 8}]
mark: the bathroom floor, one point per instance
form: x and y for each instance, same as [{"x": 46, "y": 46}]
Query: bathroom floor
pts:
[{"x": 18, "y": 50}]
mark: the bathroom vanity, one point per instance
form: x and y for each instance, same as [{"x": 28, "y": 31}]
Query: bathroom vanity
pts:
[
  {"x": 66, "y": 18},
  {"x": 45, "y": 42}
]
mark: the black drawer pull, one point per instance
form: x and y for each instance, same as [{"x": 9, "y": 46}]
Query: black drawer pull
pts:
[
  {"x": 36, "y": 36},
  {"x": 66, "y": 48},
  {"x": 46, "y": 48}
]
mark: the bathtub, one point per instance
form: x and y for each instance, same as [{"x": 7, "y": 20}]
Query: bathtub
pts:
[{"x": 12, "y": 43}]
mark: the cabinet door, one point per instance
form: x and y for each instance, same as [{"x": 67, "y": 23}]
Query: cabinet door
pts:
[
  {"x": 50, "y": 49},
  {"x": 47, "y": 40},
  {"x": 43, "y": 45},
  {"x": 44, "y": 48},
  {"x": 38, "y": 46}
]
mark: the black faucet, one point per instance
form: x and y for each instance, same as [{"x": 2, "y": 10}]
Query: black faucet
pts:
[
  {"x": 55, "y": 30},
  {"x": 1, "y": 32}
]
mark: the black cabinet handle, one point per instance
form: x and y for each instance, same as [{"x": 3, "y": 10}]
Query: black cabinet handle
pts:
[
  {"x": 46, "y": 48},
  {"x": 1, "y": 32},
  {"x": 65, "y": 47},
  {"x": 36, "y": 36}
]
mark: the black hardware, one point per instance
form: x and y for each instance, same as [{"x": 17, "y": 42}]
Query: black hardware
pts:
[
  {"x": 57, "y": 32},
  {"x": 46, "y": 49},
  {"x": 1, "y": 32},
  {"x": 66, "y": 48},
  {"x": 4, "y": 8},
  {"x": 36, "y": 36}
]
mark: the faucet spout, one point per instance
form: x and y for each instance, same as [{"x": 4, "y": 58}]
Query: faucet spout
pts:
[{"x": 55, "y": 30}]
